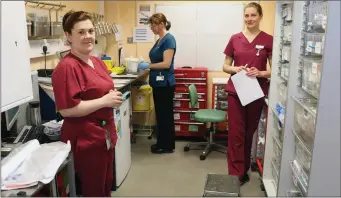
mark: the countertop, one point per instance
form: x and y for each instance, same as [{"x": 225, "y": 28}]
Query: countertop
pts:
[{"x": 124, "y": 80}]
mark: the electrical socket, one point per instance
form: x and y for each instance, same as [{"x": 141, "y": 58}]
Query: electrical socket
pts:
[{"x": 130, "y": 40}]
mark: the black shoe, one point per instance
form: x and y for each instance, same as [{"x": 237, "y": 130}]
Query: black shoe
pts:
[
  {"x": 245, "y": 179},
  {"x": 159, "y": 150},
  {"x": 153, "y": 146}
]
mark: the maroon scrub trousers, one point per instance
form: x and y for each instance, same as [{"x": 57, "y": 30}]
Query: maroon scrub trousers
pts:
[
  {"x": 243, "y": 120},
  {"x": 74, "y": 81}
]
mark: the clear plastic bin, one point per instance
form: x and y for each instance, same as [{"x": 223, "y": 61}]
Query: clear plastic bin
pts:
[
  {"x": 277, "y": 150},
  {"x": 286, "y": 54},
  {"x": 311, "y": 76},
  {"x": 304, "y": 124},
  {"x": 297, "y": 177},
  {"x": 274, "y": 174},
  {"x": 279, "y": 132},
  {"x": 303, "y": 159},
  {"x": 282, "y": 94},
  {"x": 313, "y": 45},
  {"x": 317, "y": 17},
  {"x": 285, "y": 70}
]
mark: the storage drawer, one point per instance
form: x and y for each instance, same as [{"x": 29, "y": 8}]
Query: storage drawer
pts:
[
  {"x": 187, "y": 83},
  {"x": 303, "y": 159},
  {"x": 195, "y": 72},
  {"x": 192, "y": 127},
  {"x": 184, "y": 115},
  {"x": 181, "y": 104},
  {"x": 304, "y": 124},
  {"x": 311, "y": 76},
  {"x": 183, "y": 93},
  {"x": 282, "y": 94},
  {"x": 313, "y": 45},
  {"x": 277, "y": 150}
]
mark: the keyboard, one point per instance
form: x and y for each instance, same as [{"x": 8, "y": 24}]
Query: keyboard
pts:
[{"x": 30, "y": 133}]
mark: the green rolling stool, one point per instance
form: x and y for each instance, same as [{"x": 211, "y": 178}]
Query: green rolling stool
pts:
[{"x": 205, "y": 116}]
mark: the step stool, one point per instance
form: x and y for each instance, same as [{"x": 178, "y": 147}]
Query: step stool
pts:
[{"x": 221, "y": 185}]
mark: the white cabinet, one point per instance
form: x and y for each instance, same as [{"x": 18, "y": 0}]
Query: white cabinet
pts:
[
  {"x": 16, "y": 85},
  {"x": 123, "y": 146}
]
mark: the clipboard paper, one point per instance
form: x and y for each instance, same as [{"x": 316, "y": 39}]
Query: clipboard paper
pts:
[{"x": 247, "y": 88}]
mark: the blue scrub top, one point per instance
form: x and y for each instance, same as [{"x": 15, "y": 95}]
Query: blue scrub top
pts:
[{"x": 156, "y": 56}]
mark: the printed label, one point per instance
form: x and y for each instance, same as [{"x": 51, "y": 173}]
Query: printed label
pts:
[
  {"x": 176, "y": 103},
  {"x": 309, "y": 46},
  {"x": 177, "y": 127},
  {"x": 177, "y": 95},
  {"x": 318, "y": 47},
  {"x": 176, "y": 116},
  {"x": 193, "y": 128}
]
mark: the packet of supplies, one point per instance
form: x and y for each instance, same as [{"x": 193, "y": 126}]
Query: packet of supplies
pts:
[{"x": 31, "y": 163}]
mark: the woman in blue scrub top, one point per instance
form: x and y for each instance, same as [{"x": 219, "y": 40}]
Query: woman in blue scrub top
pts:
[{"x": 162, "y": 80}]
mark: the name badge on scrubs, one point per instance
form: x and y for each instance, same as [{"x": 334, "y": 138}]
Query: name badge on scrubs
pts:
[
  {"x": 259, "y": 48},
  {"x": 160, "y": 77},
  {"x": 107, "y": 136}
]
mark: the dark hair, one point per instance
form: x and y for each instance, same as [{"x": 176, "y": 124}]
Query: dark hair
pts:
[
  {"x": 72, "y": 17},
  {"x": 255, "y": 5},
  {"x": 159, "y": 18}
]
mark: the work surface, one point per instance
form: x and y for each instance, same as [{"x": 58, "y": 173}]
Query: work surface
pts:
[{"x": 122, "y": 81}]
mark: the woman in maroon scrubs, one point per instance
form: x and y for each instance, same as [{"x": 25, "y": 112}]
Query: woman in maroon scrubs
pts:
[
  {"x": 85, "y": 97},
  {"x": 253, "y": 48}
]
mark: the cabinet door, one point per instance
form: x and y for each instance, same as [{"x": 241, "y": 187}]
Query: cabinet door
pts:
[{"x": 16, "y": 85}]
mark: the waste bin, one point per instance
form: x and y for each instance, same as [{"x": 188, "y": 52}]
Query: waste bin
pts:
[{"x": 141, "y": 98}]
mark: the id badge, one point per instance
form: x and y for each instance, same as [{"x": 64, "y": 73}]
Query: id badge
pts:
[
  {"x": 107, "y": 140},
  {"x": 160, "y": 78},
  {"x": 107, "y": 136}
]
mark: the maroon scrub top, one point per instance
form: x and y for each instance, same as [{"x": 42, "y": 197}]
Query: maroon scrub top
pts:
[
  {"x": 74, "y": 80},
  {"x": 243, "y": 52}
]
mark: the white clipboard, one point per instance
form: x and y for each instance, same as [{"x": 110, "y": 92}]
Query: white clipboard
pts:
[{"x": 247, "y": 88}]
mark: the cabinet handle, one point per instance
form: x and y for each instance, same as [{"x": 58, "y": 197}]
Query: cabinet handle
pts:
[
  {"x": 188, "y": 100},
  {"x": 191, "y": 78},
  {"x": 183, "y": 111},
  {"x": 188, "y": 93},
  {"x": 191, "y": 83}
]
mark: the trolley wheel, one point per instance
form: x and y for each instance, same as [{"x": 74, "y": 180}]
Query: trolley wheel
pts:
[
  {"x": 186, "y": 148},
  {"x": 202, "y": 157},
  {"x": 150, "y": 137},
  {"x": 254, "y": 167}
]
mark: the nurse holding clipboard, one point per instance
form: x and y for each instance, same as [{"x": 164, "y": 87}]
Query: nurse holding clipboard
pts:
[{"x": 251, "y": 48}]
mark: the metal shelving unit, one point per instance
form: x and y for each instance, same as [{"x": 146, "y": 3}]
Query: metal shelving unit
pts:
[{"x": 304, "y": 157}]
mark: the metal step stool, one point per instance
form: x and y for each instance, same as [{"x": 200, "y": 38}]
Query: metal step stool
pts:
[{"x": 221, "y": 185}]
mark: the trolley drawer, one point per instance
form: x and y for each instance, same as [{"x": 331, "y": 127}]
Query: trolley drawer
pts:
[
  {"x": 184, "y": 115},
  {"x": 182, "y": 104},
  {"x": 190, "y": 127},
  {"x": 195, "y": 72}
]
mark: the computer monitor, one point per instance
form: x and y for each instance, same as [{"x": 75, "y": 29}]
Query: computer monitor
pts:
[{"x": 11, "y": 116}]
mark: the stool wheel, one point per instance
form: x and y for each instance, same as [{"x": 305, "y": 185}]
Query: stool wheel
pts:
[
  {"x": 186, "y": 148},
  {"x": 202, "y": 157}
]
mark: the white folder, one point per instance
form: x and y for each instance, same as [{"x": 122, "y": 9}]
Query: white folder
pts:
[{"x": 247, "y": 88}]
